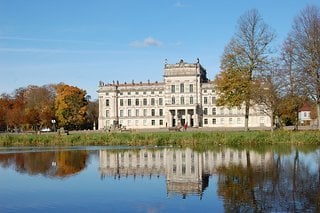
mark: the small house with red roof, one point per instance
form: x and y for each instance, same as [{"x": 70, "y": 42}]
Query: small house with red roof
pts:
[{"x": 304, "y": 114}]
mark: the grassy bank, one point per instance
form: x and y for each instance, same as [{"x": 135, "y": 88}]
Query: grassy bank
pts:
[{"x": 200, "y": 140}]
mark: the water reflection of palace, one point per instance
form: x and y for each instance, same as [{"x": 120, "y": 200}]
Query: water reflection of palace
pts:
[{"x": 187, "y": 172}]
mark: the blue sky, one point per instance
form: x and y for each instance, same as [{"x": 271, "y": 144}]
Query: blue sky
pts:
[{"x": 80, "y": 42}]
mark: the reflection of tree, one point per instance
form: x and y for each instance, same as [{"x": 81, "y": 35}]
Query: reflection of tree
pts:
[
  {"x": 289, "y": 184},
  {"x": 237, "y": 185},
  {"x": 53, "y": 164},
  {"x": 70, "y": 162}
]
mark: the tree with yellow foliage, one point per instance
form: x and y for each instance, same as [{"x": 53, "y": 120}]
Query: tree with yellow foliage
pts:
[
  {"x": 71, "y": 106},
  {"x": 244, "y": 59}
]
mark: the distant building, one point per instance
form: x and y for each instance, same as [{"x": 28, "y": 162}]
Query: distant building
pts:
[
  {"x": 185, "y": 96},
  {"x": 304, "y": 114}
]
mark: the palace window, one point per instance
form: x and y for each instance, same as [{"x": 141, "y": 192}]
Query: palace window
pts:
[
  {"x": 137, "y": 102},
  {"x": 121, "y": 102},
  {"x": 160, "y": 101},
  {"x": 183, "y": 169},
  {"x": 214, "y": 121},
  {"x": 107, "y": 113},
  {"x": 182, "y": 100},
  {"x": 214, "y": 111},
  {"x": 205, "y": 111},
  {"x": 137, "y": 112},
  {"x": 213, "y": 100},
  {"x": 129, "y": 112},
  {"x": 173, "y": 100},
  {"x": 152, "y": 101},
  {"x": 181, "y": 88},
  {"x": 144, "y": 112},
  {"x": 221, "y": 111},
  {"x": 121, "y": 113},
  {"x": 161, "y": 122},
  {"x": 205, "y": 121},
  {"x": 173, "y": 88},
  {"x": 145, "y": 101},
  {"x": 191, "y": 88},
  {"x": 191, "y": 100},
  {"x": 129, "y": 102},
  {"x": 153, "y": 112},
  {"x": 107, "y": 102},
  {"x": 205, "y": 100},
  {"x": 153, "y": 122},
  {"x": 161, "y": 112}
]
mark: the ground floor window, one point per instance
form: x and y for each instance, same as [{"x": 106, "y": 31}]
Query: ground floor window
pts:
[
  {"x": 161, "y": 122},
  {"x": 153, "y": 122},
  {"x": 214, "y": 121},
  {"x": 205, "y": 121}
]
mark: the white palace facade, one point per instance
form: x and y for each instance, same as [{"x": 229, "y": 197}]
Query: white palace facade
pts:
[{"x": 185, "y": 96}]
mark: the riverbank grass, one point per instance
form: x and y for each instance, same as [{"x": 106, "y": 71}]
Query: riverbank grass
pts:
[{"x": 182, "y": 139}]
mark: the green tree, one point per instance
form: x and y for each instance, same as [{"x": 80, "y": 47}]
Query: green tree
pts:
[
  {"x": 243, "y": 60},
  {"x": 70, "y": 105}
]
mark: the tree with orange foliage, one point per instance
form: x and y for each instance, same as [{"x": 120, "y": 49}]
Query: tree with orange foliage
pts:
[
  {"x": 39, "y": 109},
  {"x": 5, "y": 102},
  {"x": 70, "y": 105},
  {"x": 15, "y": 116}
]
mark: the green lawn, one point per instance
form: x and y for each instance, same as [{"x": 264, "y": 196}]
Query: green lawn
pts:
[{"x": 181, "y": 139}]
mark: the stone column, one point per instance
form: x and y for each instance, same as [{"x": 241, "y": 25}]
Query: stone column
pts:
[
  {"x": 196, "y": 118},
  {"x": 189, "y": 119}
]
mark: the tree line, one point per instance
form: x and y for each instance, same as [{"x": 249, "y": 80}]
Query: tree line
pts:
[
  {"x": 253, "y": 72},
  {"x": 33, "y": 108}
]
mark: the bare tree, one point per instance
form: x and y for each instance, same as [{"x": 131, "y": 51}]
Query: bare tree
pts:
[
  {"x": 306, "y": 38},
  {"x": 292, "y": 94},
  {"x": 248, "y": 53}
]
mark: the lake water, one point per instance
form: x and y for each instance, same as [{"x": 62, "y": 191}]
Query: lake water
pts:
[{"x": 122, "y": 179}]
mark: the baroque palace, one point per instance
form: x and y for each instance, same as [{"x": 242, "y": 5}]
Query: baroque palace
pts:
[{"x": 186, "y": 96}]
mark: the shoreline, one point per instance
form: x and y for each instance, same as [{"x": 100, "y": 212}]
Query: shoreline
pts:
[{"x": 162, "y": 138}]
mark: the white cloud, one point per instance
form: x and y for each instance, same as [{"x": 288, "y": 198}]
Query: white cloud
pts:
[
  {"x": 147, "y": 42},
  {"x": 179, "y": 4}
]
